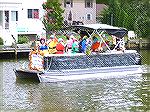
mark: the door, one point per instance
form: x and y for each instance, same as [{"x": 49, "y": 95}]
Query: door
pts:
[{"x": 6, "y": 19}]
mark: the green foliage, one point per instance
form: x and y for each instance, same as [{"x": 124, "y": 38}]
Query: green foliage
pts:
[
  {"x": 1, "y": 41},
  {"x": 53, "y": 19},
  {"x": 131, "y": 14},
  {"x": 102, "y": 2},
  {"x": 23, "y": 39}
]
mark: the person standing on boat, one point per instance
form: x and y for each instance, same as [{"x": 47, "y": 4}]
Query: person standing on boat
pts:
[
  {"x": 69, "y": 43},
  {"x": 42, "y": 45},
  {"x": 95, "y": 44},
  {"x": 60, "y": 47},
  {"x": 75, "y": 46},
  {"x": 82, "y": 45},
  {"x": 89, "y": 44},
  {"x": 43, "y": 48},
  {"x": 52, "y": 44},
  {"x": 122, "y": 45}
]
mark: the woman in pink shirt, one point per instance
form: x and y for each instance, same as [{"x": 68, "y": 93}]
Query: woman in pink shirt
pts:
[{"x": 69, "y": 43}]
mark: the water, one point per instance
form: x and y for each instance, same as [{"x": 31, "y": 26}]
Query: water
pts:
[{"x": 129, "y": 93}]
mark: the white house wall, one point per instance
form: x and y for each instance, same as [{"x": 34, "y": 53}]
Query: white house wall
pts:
[
  {"x": 25, "y": 25},
  {"x": 9, "y": 5},
  {"x": 28, "y": 25}
]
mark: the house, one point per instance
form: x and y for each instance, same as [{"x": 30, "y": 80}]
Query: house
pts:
[
  {"x": 8, "y": 19},
  {"x": 23, "y": 17},
  {"x": 99, "y": 9},
  {"x": 20, "y": 17},
  {"x": 79, "y": 11}
]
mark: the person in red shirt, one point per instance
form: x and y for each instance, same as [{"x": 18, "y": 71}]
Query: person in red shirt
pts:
[
  {"x": 95, "y": 44},
  {"x": 60, "y": 47}
]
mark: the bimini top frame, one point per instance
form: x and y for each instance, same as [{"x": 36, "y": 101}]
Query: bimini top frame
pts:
[
  {"x": 91, "y": 29},
  {"x": 111, "y": 30}
]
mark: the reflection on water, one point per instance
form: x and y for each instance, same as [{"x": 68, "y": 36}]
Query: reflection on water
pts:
[
  {"x": 126, "y": 93},
  {"x": 145, "y": 55}
]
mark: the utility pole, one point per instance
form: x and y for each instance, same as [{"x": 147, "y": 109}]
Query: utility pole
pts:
[{"x": 111, "y": 21}]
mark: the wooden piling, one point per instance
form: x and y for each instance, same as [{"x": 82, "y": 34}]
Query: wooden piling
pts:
[{"x": 15, "y": 47}]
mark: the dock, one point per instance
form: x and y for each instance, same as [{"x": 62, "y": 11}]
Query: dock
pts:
[
  {"x": 22, "y": 50},
  {"x": 8, "y": 52},
  {"x": 13, "y": 50},
  {"x": 139, "y": 43}
]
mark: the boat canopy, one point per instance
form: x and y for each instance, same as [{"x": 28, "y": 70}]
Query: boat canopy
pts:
[
  {"x": 111, "y": 30},
  {"x": 90, "y": 30}
]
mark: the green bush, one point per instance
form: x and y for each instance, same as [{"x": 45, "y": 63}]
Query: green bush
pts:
[
  {"x": 23, "y": 39},
  {"x": 1, "y": 41}
]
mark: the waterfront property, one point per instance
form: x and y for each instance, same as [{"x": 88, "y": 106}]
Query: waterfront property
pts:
[
  {"x": 21, "y": 17},
  {"x": 79, "y": 11},
  {"x": 103, "y": 57}
]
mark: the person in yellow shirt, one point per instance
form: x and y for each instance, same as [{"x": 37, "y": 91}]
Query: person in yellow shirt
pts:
[{"x": 52, "y": 44}]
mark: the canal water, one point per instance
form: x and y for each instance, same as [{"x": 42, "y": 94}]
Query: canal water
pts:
[{"x": 129, "y": 93}]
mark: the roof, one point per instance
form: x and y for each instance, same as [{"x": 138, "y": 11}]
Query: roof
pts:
[
  {"x": 99, "y": 26},
  {"x": 112, "y": 30},
  {"x": 95, "y": 27}
]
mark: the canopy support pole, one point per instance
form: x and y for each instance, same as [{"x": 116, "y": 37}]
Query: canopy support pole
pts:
[{"x": 100, "y": 35}]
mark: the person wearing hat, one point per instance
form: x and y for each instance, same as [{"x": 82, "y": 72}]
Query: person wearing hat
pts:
[
  {"x": 69, "y": 43},
  {"x": 82, "y": 44},
  {"x": 43, "y": 48},
  {"x": 52, "y": 44},
  {"x": 42, "y": 45},
  {"x": 60, "y": 46}
]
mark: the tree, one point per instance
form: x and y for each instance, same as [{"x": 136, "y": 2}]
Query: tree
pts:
[
  {"x": 53, "y": 19},
  {"x": 102, "y": 2},
  {"x": 131, "y": 14},
  {"x": 1, "y": 41}
]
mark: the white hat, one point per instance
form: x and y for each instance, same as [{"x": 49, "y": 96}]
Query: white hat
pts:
[
  {"x": 71, "y": 36},
  {"x": 52, "y": 36},
  {"x": 60, "y": 39}
]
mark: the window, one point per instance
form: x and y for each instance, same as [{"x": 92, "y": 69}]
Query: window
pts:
[
  {"x": 88, "y": 3},
  {"x": 33, "y": 13},
  {"x": 68, "y": 3},
  {"x": 14, "y": 15},
  {"x": 89, "y": 17}
]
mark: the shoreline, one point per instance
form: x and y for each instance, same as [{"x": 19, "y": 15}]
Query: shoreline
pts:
[{"x": 23, "y": 52}]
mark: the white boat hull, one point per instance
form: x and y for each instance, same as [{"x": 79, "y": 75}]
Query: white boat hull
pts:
[{"x": 78, "y": 74}]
